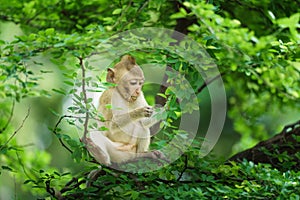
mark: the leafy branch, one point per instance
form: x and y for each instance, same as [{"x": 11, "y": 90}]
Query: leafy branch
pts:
[
  {"x": 87, "y": 115},
  {"x": 140, "y": 9}
]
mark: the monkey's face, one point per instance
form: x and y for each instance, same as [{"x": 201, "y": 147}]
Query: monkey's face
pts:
[{"x": 131, "y": 83}]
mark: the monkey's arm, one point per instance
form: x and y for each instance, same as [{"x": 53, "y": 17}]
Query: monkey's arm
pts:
[
  {"x": 126, "y": 118},
  {"x": 148, "y": 122}
]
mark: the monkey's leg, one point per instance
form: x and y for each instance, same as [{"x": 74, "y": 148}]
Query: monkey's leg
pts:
[
  {"x": 105, "y": 151},
  {"x": 127, "y": 147},
  {"x": 143, "y": 144},
  {"x": 97, "y": 145}
]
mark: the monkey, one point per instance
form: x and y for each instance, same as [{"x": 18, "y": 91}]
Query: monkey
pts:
[{"x": 127, "y": 117}]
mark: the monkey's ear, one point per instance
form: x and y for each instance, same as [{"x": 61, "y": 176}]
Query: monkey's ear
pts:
[
  {"x": 128, "y": 59},
  {"x": 110, "y": 77}
]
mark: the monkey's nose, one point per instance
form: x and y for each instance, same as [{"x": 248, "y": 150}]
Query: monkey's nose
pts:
[{"x": 137, "y": 91}]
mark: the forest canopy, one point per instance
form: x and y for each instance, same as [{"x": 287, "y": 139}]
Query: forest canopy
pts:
[{"x": 227, "y": 73}]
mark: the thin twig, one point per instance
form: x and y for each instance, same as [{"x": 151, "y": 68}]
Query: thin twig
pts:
[
  {"x": 185, "y": 167},
  {"x": 55, "y": 131},
  {"x": 17, "y": 130},
  {"x": 9, "y": 119}
]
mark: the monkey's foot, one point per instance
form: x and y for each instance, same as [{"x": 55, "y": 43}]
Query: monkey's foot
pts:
[{"x": 160, "y": 155}]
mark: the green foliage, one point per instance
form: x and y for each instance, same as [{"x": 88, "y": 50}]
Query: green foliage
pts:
[
  {"x": 196, "y": 178},
  {"x": 255, "y": 45},
  {"x": 262, "y": 70}
]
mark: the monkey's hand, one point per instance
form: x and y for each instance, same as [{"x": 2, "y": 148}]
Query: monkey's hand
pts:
[
  {"x": 123, "y": 119},
  {"x": 146, "y": 111}
]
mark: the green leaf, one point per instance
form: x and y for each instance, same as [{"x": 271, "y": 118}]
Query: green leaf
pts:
[
  {"x": 28, "y": 181},
  {"x": 117, "y": 11},
  {"x": 54, "y": 112},
  {"x": 103, "y": 128},
  {"x": 134, "y": 195},
  {"x": 50, "y": 31},
  {"x": 108, "y": 106},
  {"x": 59, "y": 91},
  {"x": 272, "y": 16},
  {"x": 162, "y": 95},
  {"x": 290, "y": 22},
  {"x": 69, "y": 83},
  {"x": 89, "y": 100},
  {"x": 77, "y": 155}
]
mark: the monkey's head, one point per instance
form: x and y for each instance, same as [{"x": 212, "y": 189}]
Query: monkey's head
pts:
[{"x": 129, "y": 78}]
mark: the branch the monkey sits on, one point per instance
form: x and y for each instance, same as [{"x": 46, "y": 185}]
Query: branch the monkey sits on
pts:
[{"x": 127, "y": 116}]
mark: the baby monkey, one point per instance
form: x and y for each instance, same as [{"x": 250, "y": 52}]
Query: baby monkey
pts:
[{"x": 127, "y": 117}]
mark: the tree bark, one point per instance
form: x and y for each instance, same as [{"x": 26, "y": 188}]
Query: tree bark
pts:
[{"x": 281, "y": 151}]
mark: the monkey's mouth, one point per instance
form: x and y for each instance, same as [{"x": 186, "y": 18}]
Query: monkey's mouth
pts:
[{"x": 133, "y": 98}]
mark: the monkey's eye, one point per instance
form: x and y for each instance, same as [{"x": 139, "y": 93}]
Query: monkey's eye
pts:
[{"x": 133, "y": 82}]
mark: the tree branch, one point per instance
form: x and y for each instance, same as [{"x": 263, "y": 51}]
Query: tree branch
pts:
[
  {"x": 280, "y": 151},
  {"x": 207, "y": 82},
  {"x": 85, "y": 100}
]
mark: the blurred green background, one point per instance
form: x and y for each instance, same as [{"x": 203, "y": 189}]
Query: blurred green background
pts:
[{"x": 35, "y": 134}]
